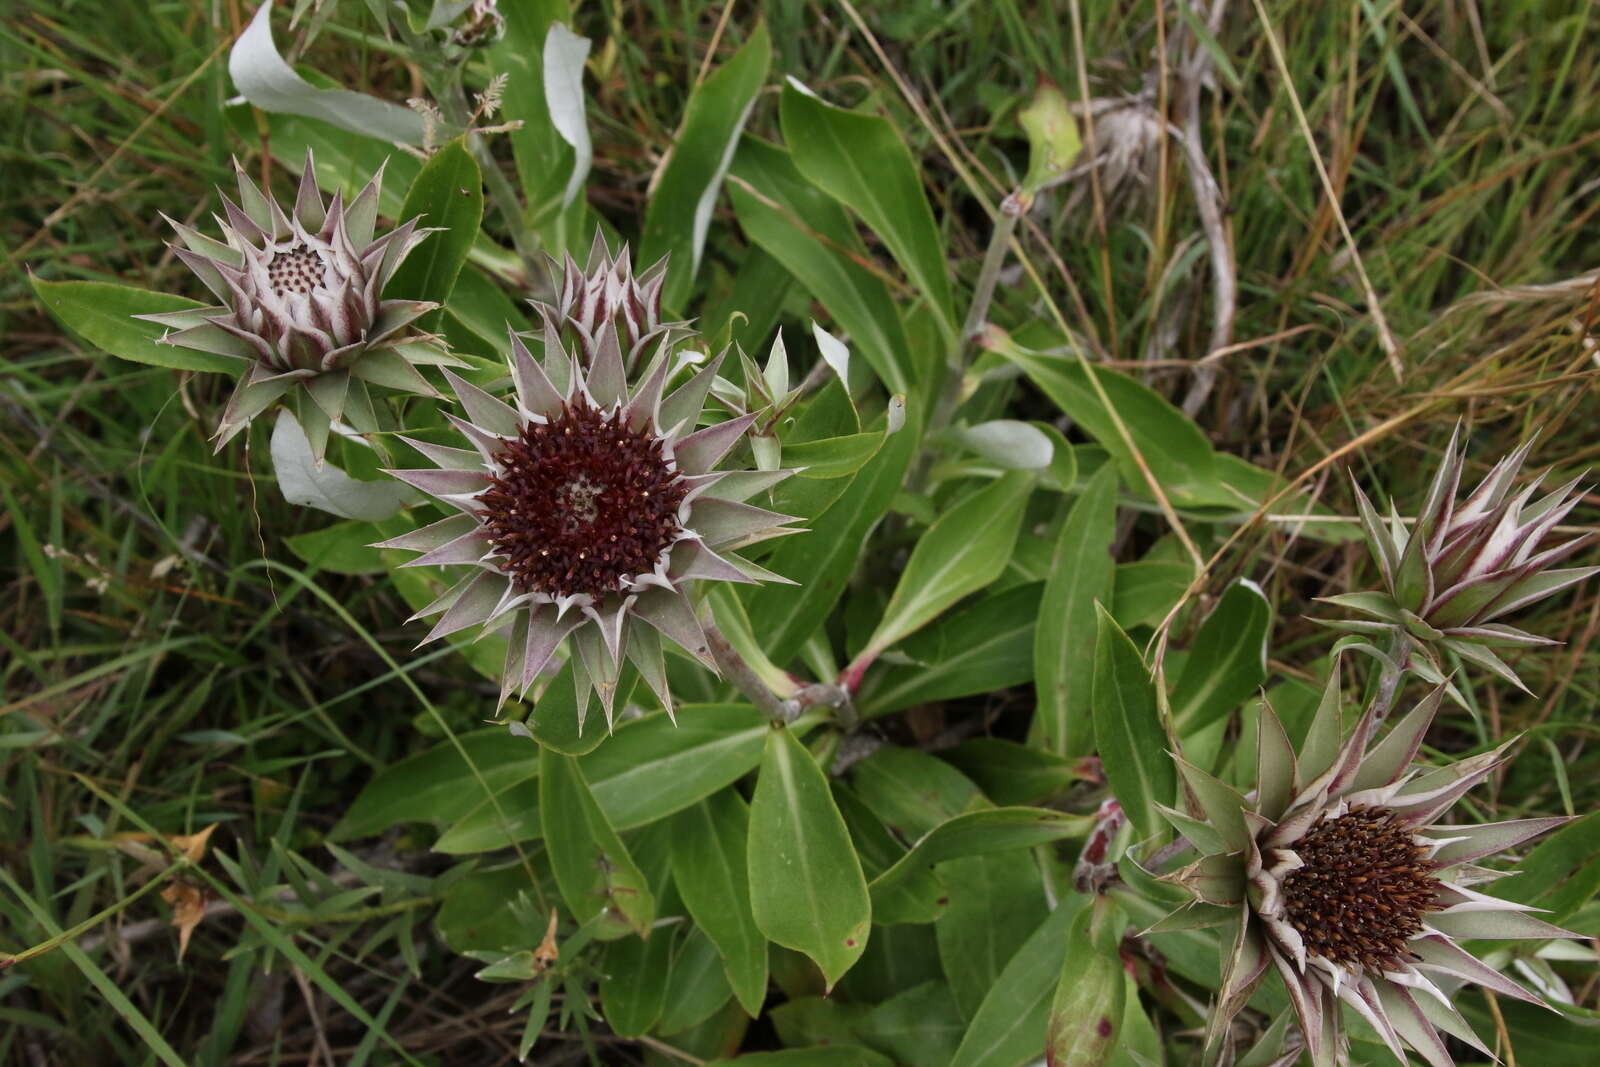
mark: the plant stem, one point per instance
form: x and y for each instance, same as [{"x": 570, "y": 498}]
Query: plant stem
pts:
[
  {"x": 744, "y": 678},
  {"x": 1394, "y": 669},
  {"x": 1011, "y": 210}
]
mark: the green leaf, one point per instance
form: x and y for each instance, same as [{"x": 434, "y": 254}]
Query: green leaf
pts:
[
  {"x": 1561, "y": 873},
  {"x": 342, "y": 548},
  {"x": 649, "y": 769},
  {"x": 1127, "y": 727},
  {"x": 598, "y": 878},
  {"x": 972, "y": 834},
  {"x": 712, "y": 123},
  {"x": 1080, "y": 574},
  {"x": 698, "y": 986},
  {"x": 818, "y": 1021},
  {"x": 1009, "y": 773},
  {"x": 479, "y": 911},
  {"x": 1227, "y": 661},
  {"x": 785, "y": 616},
  {"x": 102, "y": 314},
  {"x": 1145, "y": 590},
  {"x": 1008, "y": 1028},
  {"x": 913, "y": 791},
  {"x": 437, "y": 786},
  {"x": 984, "y": 647},
  {"x": 633, "y": 982},
  {"x": 861, "y": 161},
  {"x": 807, "y": 890},
  {"x": 810, "y": 235},
  {"x": 448, "y": 194},
  {"x": 1053, "y": 141},
  {"x": 832, "y": 457},
  {"x": 555, "y": 722},
  {"x": 965, "y": 550},
  {"x": 1085, "y": 1020},
  {"x": 543, "y": 159},
  {"x": 711, "y": 870},
  {"x": 484, "y": 309},
  {"x": 1175, "y": 449},
  {"x": 652, "y": 767},
  {"x": 995, "y": 903},
  {"x": 920, "y": 1026}
]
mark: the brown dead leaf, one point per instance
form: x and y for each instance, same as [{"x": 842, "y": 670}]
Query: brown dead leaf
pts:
[
  {"x": 547, "y": 953},
  {"x": 193, "y": 845},
  {"x": 138, "y": 845},
  {"x": 188, "y": 908}
]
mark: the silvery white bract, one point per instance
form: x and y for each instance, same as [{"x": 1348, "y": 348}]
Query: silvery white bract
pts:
[
  {"x": 1466, "y": 563},
  {"x": 302, "y": 305},
  {"x": 1339, "y": 873},
  {"x": 587, "y": 507}
]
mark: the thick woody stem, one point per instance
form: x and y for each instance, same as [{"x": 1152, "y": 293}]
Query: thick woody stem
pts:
[{"x": 744, "y": 678}]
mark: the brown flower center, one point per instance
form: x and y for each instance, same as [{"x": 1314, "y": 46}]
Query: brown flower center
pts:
[
  {"x": 585, "y": 504},
  {"x": 297, "y": 270},
  {"x": 1363, "y": 890}
]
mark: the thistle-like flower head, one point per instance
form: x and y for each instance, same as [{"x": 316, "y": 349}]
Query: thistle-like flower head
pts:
[
  {"x": 1465, "y": 563},
  {"x": 587, "y": 508},
  {"x": 301, "y": 303},
  {"x": 606, "y": 295},
  {"x": 1338, "y": 873}
]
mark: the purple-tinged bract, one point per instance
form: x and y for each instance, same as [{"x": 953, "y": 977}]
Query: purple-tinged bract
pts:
[{"x": 1466, "y": 563}]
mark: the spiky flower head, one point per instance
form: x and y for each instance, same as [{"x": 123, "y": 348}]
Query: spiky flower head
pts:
[
  {"x": 1338, "y": 873},
  {"x": 302, "y": 304},
  {"x": 1465, "y": 563},
  {"x": 606, "y": 296},
  {"x": 589, "y": 509}
]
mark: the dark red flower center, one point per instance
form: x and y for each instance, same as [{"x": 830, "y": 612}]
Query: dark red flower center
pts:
[
  {"x": 585, "y": 504},
  {"x": 296, "y": 270},
  {"x": 1363, "y": 890}
]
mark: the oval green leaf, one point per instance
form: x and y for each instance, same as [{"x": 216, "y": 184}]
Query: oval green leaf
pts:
[
  {"x": 448, "y": 194},
  {"x": 806, "y": 887},
  {"x": 102, "y": 314},
  {"x": 710, "y": 867},
  {"x": 597, "y": 877},
  {"x": 966, "y": 549},
  {"x": 1080, "y": 574}
]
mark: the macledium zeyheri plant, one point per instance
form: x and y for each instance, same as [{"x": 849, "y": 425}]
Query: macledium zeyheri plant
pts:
[
  {"x": 1466, "y": 563},
  {"x": 302, "y": 305},
  {"x": 1339, "y": 873},
  {"x": 587, "y": 507}
]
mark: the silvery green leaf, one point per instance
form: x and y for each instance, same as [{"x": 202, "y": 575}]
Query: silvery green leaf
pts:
[
  {"x": 834, "y": 352},
  {"x": 271, "y": 84},
  {"x": 564, "y": 56},
  {"x": 1008, "y": 443},
  {"x": 325, "y": 486}
]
